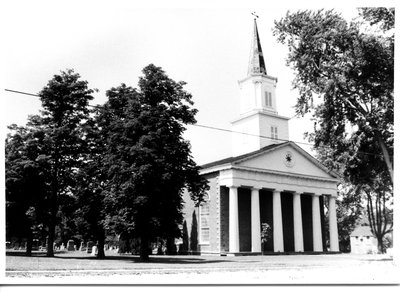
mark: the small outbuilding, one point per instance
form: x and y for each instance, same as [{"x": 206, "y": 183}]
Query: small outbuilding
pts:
[{"x": 362, "y": 241}]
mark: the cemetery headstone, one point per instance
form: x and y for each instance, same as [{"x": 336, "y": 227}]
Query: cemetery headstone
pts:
[
  {"x": 94, "y": 250},
  {"x": 90, "y": 245},
  {"x": 70, "y": 245}
]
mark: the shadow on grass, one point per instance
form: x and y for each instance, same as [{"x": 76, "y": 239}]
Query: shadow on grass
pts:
[
  {"x": 131, "y": 258},
  {"x": 380, "y": 260}
]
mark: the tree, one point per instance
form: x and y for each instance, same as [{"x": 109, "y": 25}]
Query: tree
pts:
[
  {"x": 90, "y": 213},
  {"x": 362, "y": 188},
  {"x": 185, "y": 240},
  {"x": 65, "y": 101},
  {"x": 194, "y": 233},
  {"x": 349, "y": 210},
  {"x": 352, "y": 72},
  {"x": 149, "y": 163},
  {"x": 379, "y": 15},
  {"x": 380, "y": 216},
  {"x": 25, "y": 183}
]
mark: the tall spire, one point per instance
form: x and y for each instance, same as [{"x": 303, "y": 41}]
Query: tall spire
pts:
[{"x": 256, "y": 62}]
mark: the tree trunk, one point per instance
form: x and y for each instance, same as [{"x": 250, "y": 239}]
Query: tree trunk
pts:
[
  {"x": 29, "y": 242},
  {"x": 100, "y": 245},
  {"x": 386, "y": 157},
  {"x": 171, "y": 247},
  {"x": 144, "y": 249},
  {"x": 50, "y": 240},
  {"x": 381, "y": 248}
]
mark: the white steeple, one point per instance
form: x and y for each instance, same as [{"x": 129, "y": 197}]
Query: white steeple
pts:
[{"x": 258, "y": 117}]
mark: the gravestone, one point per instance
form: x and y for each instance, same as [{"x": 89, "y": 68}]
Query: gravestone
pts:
[
  {"x": 70, "y": 245},
  {"x": 35, "y": 244},
  {"x": 90, "y": 245},
  {"x": 94, "y": 250},
  {"x": 82, "y": 247},
  {"x": 62, "y": 247}
]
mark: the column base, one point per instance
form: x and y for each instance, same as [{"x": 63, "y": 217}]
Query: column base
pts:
[
  {"x": 242, "y": 253},
  {"x": 271, "y": 253}
]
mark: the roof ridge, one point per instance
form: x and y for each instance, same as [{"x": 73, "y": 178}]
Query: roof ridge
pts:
[{"x": 240, "y": 157}]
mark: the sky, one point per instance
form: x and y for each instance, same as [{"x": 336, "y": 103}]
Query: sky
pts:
[{"x": 205, "y": 44}]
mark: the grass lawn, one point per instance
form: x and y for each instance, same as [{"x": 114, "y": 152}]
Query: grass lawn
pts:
[
  {"x": 77, "y": 260},
  {"x": 258, "y": 269}
]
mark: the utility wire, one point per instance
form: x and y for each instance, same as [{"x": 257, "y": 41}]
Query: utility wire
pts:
[
  {"x": 283, "y": 140},
  {"x": 219, "y": 129},
  {"x": 26, "y": 93},
  {"x": 20, "y": 92},
  {"x": 249, "y": 134}
]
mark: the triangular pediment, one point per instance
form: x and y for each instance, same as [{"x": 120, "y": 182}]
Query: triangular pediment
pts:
[{"x": 286, "y": 158}]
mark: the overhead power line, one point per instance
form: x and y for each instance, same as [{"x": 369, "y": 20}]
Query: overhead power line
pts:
[
  {"x": 26, "y": 93},
  {"x": 20, "y": 92},
  {"x": 270, "y": 138},
  {"x": 249, "y": 134},
  {"x": 221, "y": 129}
]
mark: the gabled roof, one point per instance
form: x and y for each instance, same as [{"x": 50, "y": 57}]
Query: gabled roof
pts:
[
  {"x": 241, "y": 157},
  {"x": 362, "y": 231},
  {"x": 238, "y": 159}
]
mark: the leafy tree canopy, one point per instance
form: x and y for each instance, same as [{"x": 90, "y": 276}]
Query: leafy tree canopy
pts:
[
  {"x": 61, "y": 126},
  {"x": 25, "y": 184},
  {"x": 379, "y": 15},
  {"x": 148, "y": 162},
  {"x": 345, "y": 78}
]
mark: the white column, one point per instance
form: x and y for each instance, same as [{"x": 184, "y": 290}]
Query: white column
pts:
[
  {"x": 297, "y": 223},
  {"x": 233, "y": 219},
  {"x": 255, "y": 221},
  {"x": 333, "y": 231},
  {"x": 316, "y": 223},
  {"x": 277, "y": 217}
]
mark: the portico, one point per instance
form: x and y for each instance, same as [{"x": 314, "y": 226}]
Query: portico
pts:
[
  {"x": 291, "y": 202},
  {"x": 278, "y": 237}
]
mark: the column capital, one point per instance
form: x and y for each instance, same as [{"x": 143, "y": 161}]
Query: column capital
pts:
[
  {"x": 232, "y": 186},
  {"x": 296, "y": 193},
  {"x": 316, "y": 195},
  {"x": 278, "y": 191},
  {"x": 256, "y": 188}
]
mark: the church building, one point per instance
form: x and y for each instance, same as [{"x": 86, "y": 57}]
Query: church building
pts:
[{"x": 270, "y": 182}]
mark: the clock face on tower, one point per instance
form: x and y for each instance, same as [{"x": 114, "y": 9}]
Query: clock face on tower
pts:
[{"x": 289, "y": 159}]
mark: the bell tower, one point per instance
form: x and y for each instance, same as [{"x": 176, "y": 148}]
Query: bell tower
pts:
[{"x": 258, "y": 124}]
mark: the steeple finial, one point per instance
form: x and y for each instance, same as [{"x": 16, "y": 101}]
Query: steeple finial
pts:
[{"x": 256, "y": 62}]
